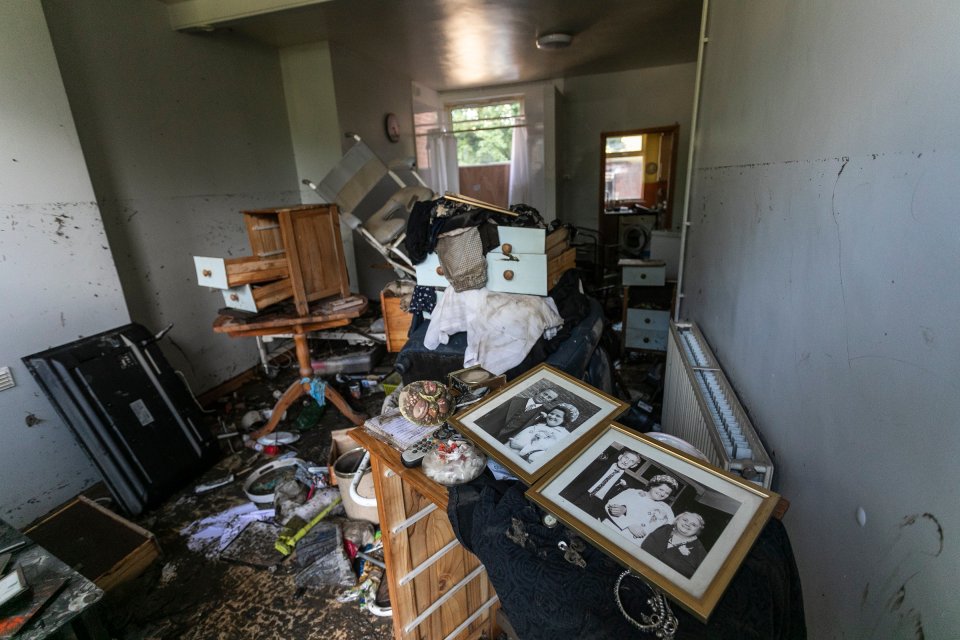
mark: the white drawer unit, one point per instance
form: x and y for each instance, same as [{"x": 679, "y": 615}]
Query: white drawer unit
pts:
[
  {"x": 521, "y": 240},
  {"x": 526, "y": 274},
  {"x": 224, "y": 273},
  {"x": 643, "y": 273},
  {"x": 430, "y": 273},
  {"x": 648, "y": 319},
  {"x": 257, "y": 298},
  {"x": 649, "y": 340}
]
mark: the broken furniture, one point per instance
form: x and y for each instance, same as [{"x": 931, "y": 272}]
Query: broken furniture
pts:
[
  {"x": 358, "y": 173},
  {"x": 129, "y": 411},
  {"x": 107, "y": 549},
  {"x": 438, "y": 589},
  {"x": 320, "y": 316},
  {"x": 297, "y": 253},
  {"x": 526, "y": 261},
  {"x": 59, "y": 598}
]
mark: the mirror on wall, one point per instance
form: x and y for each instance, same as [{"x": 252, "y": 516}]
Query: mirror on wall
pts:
[{"x": 637, "y": 169}]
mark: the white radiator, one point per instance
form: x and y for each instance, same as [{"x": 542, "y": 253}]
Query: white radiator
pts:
[{"x": 699, "y": 406}]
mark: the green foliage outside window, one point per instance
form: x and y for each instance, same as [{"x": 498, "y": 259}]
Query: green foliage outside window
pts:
[{"x": 485, "y": 132}]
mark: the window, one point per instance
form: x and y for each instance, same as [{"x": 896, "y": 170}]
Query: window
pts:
[
  {"x": 624, "y": 175},
  {"x": 491, "y": 149}
]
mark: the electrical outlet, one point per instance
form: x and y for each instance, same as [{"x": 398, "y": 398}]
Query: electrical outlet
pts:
[{"x": 6, "y": 379}]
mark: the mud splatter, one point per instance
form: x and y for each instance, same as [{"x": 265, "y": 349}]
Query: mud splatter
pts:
[
  {"x": 896, "y": 600},
  {"x": 912, "y": 520},
  {"x": 32, "y": 420}
]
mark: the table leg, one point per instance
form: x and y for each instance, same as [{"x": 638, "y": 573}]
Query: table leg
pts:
[{"x": 297, "y": 389}]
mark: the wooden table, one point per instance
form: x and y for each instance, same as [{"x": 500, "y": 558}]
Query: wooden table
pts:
[
  {"x": 60, "y": 598},
  {"x": 290, "y": 323},
  {"x": 426, "y": 565}
]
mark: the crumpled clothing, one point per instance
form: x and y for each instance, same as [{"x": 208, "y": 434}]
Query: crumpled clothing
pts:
[
  {"x": 213, "y": 534},
  {"x": 461, "y": 256},
  {"x": 501, "y": 327}
]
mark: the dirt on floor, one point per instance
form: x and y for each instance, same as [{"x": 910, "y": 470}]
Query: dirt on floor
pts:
[{"x": 186, "y": 595}]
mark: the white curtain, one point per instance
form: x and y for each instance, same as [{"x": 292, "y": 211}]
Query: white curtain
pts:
[
  {"x": 519, "y": 168},
  {"x": 444, "y": 174}
]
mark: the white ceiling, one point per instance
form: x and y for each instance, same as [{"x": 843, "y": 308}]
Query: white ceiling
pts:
[{"x": 459, "y": 44}]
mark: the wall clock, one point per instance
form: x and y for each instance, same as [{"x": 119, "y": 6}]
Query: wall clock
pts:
[{"x": 392, "y": 127}]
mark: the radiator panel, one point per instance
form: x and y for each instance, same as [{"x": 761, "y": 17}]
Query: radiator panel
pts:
[{"x": 700, "y": 406}]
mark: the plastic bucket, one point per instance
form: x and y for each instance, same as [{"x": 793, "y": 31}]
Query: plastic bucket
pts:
[{"x": 345, "y": 469}]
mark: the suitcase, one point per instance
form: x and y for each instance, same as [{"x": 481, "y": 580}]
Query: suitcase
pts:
[{"x": 129, "y": 411}]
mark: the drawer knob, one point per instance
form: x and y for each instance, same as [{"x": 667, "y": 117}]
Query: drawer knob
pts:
[
  {"x": 507, "y": 247},
  {"x": 508, "y": 275},
  {"x": 646, "y": 320},
  {"x": 439, "y": 271},
  {"x": 207, "y": 273},
  {"x": 646, "y": 340},
  {"x": 234, "y": 297},
  {"x": 643, "y": 276}
]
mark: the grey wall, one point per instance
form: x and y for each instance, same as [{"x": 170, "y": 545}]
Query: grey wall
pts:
[
  {"x": 365, "y": 93},
  {"x": 180, "y": 132},
  {"x": 58, "y": 277},
  {"x": 655, "y": 97},
  {"x": 822, "y": 268}
]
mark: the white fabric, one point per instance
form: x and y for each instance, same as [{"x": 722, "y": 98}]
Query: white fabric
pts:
[
  {"x": 501, "y": 327},
  {"x": 519, "y": 167},
  {"x": 534, "y": 440},
  {"x": 443, "y": 174},
  {"x": 643, "y": 513}
]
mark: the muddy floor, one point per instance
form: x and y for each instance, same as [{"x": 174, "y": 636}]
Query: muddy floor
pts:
[
  {"x": 192, "y": 596},
  {"x": 188, "y": 596}
]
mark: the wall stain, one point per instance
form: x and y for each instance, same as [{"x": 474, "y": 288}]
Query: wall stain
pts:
[
  {"x": 32, "y": 420},
  {"x": 912, "y": 520}
]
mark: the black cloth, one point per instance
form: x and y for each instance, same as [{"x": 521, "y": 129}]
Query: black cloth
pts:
[
  {"x": 547, "y": 595},
  {"x": 509, "y": 418},
  {"x": 577, "y": 491},
  {"x": 656, "y": 544},
  {"x": 417, "y": 241}
]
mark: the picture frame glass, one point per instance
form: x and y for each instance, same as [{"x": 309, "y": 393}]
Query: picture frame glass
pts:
[
  {"x": 531, "y": 421},
  {"x": 677, "y": 521}
]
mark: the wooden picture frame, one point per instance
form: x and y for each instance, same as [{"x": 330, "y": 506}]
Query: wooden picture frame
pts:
[
  {"x": 514, "y": 427},
  {"x": 616, "y": 467}
]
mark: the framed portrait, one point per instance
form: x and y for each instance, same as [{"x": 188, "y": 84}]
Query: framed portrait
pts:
[
  {"x": 681, "y": 523},
  {"x": 528, "y": 424}
]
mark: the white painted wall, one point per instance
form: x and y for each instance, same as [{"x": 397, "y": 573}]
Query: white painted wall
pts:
[
  {"x": 314, "y": 126},
  {"x": 57, "y": 273},
  {"x": 365, "y": 93},
  {"x": 654, "y": 97},
  {"x": 181, "y": 132},
  {"x": 822, "y": 267}
]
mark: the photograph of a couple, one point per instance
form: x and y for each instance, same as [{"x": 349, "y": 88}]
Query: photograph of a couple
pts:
[
  {"x": 529, "y": 422},
  {"x": 675, "y": 519},
  {"x": 666, "y": 514}
]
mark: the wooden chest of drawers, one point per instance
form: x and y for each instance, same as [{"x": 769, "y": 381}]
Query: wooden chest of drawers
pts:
[{"x": 297, "y": 253}]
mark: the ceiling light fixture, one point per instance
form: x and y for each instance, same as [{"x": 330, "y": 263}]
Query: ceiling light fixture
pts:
[{"x": 554, "y": 41}]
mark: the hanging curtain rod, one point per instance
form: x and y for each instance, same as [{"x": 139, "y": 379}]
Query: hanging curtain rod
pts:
[{"x": 456, "y": 197}]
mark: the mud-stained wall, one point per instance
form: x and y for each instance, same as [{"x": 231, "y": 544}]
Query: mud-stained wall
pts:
[
  {"x": 180, "y": 132},
  {"x": 822, "y": 267},
  {"x": 57, "y": 277}
]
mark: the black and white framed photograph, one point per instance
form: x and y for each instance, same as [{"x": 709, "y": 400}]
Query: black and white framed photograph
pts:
[
  {"x": 678, "y": 521},
  {"x": 527, "y": 424}
]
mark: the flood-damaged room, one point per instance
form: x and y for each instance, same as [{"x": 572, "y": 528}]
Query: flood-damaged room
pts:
[{"x": 479, "y": 320}]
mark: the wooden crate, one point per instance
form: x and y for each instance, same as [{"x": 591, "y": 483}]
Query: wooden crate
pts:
[
  {"x": 396, "y": 322},
  {"x": 96, "y": 542},
  {"x": 308, "y": 236},
  {"x": 559, "y": 265}
]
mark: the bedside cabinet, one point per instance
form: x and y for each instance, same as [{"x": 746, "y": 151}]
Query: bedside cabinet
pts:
[{"x": 648, "y": 299}]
